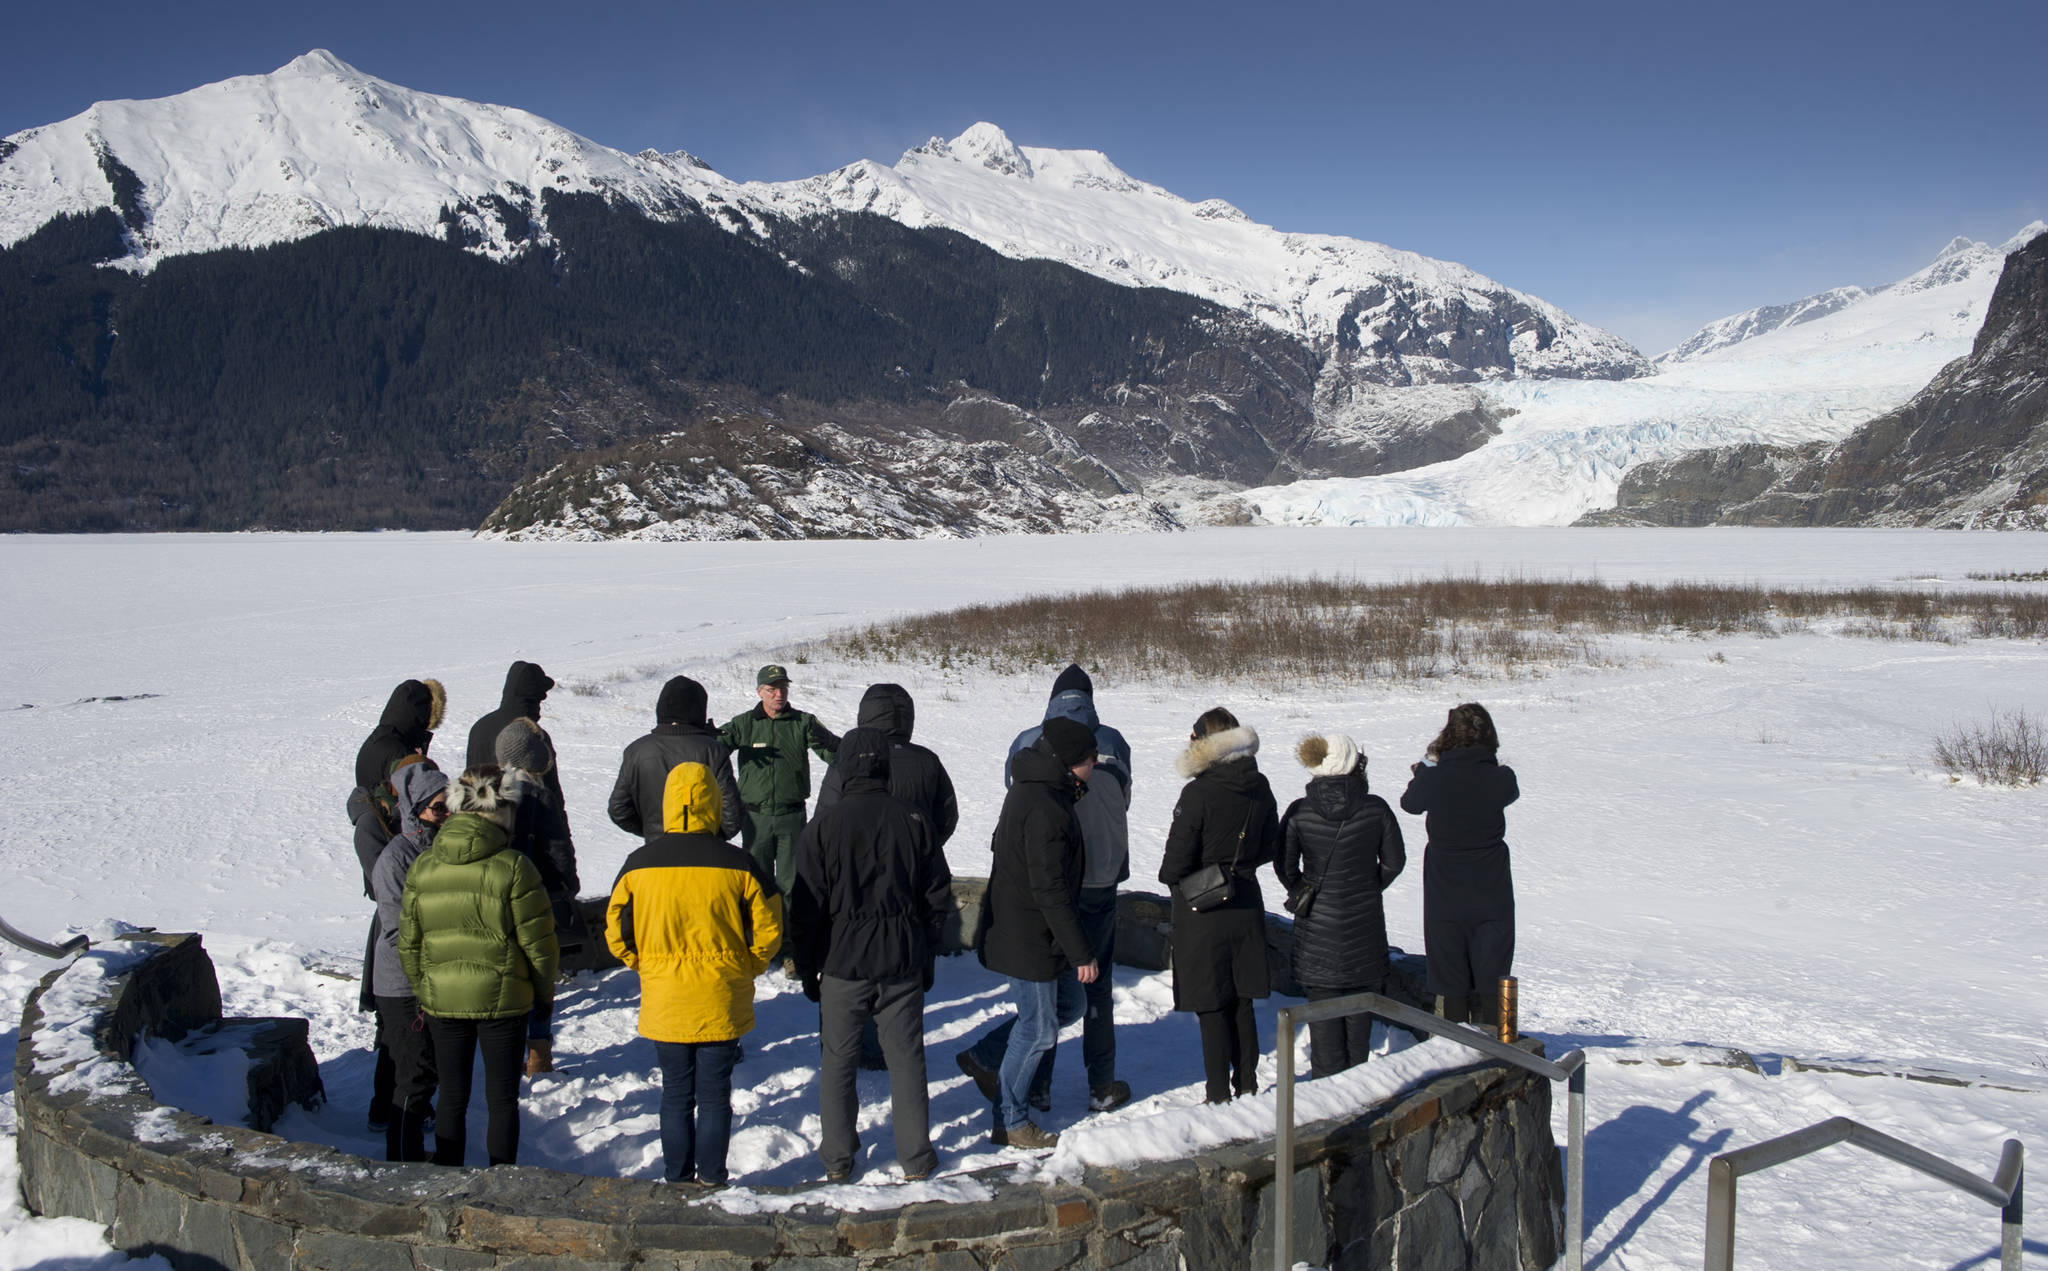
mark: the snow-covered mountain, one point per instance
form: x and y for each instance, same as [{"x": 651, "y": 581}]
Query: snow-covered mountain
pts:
[
  {"x": 1943, "y": 302},
  {"x": 1814, "y": 371},
  {"x": 1371, "y": 301},
  {"x": 262, "y": 159}
]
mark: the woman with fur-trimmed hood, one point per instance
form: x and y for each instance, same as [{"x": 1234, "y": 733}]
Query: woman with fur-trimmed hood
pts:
[
  {"x": 1468, "y": 889},
  {"x": 476, "y": 937},
  {"x": 1226, "y": 816},
  {"x": 1340, "y": 847}
]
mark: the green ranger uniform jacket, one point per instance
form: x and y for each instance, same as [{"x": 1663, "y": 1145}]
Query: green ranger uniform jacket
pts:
[{"x": 774, "y": 771}]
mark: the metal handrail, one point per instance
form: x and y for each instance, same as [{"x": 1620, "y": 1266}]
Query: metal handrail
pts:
[
  {"x": 1569, "y": 1068},
  {"x": 2004, "y": 1189},
  {"x": 33, "y": 945}
]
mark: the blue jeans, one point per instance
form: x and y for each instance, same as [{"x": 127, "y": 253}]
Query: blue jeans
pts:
[
  {"x": 1097, "y": 910},
  {"x": 696, "y": 1108},
  {"x": 1044, "y": 1007}
]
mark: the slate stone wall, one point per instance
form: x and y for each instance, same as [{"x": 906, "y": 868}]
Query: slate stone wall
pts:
[{"x": 1460, "y": 1173}]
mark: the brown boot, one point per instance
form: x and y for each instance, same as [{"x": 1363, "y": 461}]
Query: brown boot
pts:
[
  {"x": 540, "y": 1057},
  {"x": 1028, "y": 1135}
]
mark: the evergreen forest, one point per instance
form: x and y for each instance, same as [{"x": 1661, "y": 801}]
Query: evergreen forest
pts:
[{"x": 366, "y": 378}]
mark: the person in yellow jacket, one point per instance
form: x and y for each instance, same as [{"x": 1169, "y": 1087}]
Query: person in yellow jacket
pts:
[{"x": 698, "y": 918}]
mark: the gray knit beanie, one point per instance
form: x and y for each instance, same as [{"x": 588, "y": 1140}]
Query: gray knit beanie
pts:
[{"x": 521, "y": 745}]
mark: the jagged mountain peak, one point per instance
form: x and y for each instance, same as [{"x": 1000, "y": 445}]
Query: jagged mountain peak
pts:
[
  {"x": 991, "y": 147},
  {"x": 1957, "y": 246}
]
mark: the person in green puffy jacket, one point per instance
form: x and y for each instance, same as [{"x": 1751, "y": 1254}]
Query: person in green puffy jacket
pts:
[{"x": 476, "y": 936}]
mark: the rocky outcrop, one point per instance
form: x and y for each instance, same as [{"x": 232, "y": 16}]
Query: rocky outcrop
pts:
[{"x": 1969, "y": 451}]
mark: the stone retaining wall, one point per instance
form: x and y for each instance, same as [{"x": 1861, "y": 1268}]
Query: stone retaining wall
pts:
[{"x": 1459, "y": 1173}]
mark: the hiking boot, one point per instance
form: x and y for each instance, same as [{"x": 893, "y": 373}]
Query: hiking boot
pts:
[
  {"x": 540, "y": 1057},
  {"x": 916, "y": 1175},
  {"x": 840, "y": 1175},
  {"x": 985, "y": 1078},
  {"x": 1110, "y": 1097},
  {"x": 1030, "y": 1137}
]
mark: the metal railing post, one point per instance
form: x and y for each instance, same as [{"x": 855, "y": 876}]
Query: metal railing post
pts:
[
  {"x": 1721, "y": 1216},
  {"x": 1575, "y": 1172},
  {"x": 2004, "y": 1189},
  {"x": 1283, "y": 1148},
  {"x": 2011, "y": 1219}
]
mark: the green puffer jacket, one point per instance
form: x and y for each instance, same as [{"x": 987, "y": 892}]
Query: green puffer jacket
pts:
[
  {"x": 476, "y": 934},
  {"x": 774, "y": 771}
]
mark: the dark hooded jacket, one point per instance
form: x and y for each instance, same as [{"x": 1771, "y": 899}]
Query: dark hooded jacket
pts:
[
  {"x": 915, "y": 774},
  {"x": 408, "y": 724},
  {"x": 1344, "y": 838},
  {"x": 872, "y": 888},
  {"x": 1226, "y": 816},
  {"x": 526, "y": 687},
  {"x": 1032, "y": 929},
  {"x": 1105, "y": 813},
  {"x": 680, "y": 735},
  {"x": 540, "y": 832},
  {"x": 1463, "y": 800}
]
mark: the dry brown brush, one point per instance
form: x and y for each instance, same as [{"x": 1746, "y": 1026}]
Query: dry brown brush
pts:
[
  {"x": 2011, "y": 750},
  {"x": 1329, "y": 628}
]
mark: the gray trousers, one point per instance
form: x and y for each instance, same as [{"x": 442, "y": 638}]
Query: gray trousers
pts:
[{"x": 897, "y": 1007}]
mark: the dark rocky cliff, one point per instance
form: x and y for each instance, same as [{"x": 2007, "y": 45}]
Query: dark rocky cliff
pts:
[{"x": 1969, "y": 451}]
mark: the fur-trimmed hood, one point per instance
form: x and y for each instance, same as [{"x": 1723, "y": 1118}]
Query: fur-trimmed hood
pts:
[
  {"x": 1206, "y": 752},
  {"x": 491, "y": 797}
]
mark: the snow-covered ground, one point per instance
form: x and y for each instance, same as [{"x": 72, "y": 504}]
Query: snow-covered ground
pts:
[{"x": 1724, "y": 844}]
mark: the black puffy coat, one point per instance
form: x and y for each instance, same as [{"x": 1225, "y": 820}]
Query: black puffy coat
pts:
[
  {"x": 681, "y": 735},
  {"x": 1226, "y": 813},
  {"x": 1031, "y": 926},
  {"x": 526, "y": 687},
  {"x": 1345, "y": 839},
  {"x": 872, "y": 888},
  {"x": 915, "y": 774}
]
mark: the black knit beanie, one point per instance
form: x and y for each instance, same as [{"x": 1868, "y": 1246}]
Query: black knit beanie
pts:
[
  {"x": 1073, "y": 677},
  {"x": 1070, "y": 740}
]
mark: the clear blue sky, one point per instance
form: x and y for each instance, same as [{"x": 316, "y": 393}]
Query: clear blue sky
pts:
[{"x": 1647, "y": 166}]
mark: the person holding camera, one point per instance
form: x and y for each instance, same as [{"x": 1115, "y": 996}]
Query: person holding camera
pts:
[{"x": 1462, "y": 789}]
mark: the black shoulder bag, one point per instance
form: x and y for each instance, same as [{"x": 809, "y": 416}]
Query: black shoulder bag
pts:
[{"x": 1212, "y": 886}]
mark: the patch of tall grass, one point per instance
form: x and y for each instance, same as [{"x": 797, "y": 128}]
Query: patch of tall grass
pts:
[{"x": 1329, "y": 628}]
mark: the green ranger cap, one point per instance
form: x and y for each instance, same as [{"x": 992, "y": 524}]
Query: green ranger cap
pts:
[{"x": 771, "y": 674}]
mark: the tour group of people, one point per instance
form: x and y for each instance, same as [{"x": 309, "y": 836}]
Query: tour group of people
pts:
[{"x": 474, "y": 879}]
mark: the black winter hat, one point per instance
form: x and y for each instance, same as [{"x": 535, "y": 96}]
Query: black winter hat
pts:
[
  {"x": 1073, "y": 677},
  {"x": 525, "y": 680},
  {"x": 1070, "y": 740},
  {"x": 682, "y": 701},
  {"x": 863, "y": 752}
]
